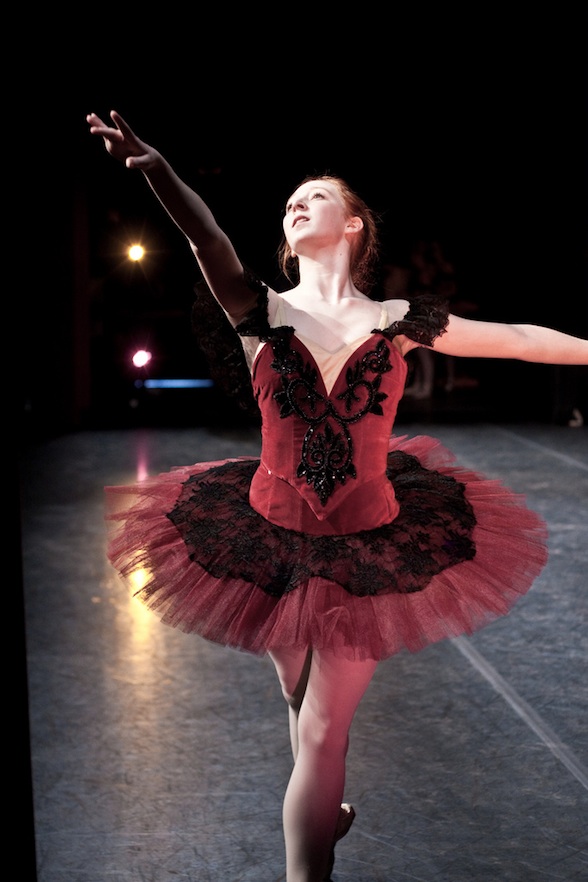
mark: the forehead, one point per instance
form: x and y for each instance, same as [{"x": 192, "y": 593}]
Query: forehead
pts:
[{"x": 305, "y": 189}]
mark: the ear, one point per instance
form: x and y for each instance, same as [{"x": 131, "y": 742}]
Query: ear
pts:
[{"x": 354, "y": 225}]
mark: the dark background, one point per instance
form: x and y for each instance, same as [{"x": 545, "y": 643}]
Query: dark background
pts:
[
  {"x": 459, "y": 122},
  {"x": 464, "y": 126}
]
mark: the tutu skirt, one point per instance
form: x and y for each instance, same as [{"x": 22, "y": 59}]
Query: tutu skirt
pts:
[{"x": 462, "y": 550}]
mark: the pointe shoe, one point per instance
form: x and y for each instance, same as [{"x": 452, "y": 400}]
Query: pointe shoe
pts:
[
  {"x": 344, "y": 822},
  {"x": 346, "y": 819}
]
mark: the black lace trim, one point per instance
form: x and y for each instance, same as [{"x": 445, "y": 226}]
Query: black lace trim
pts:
[
  {"x": 255, "y": 323},
  {"x": 327, "y": 447},
  {"x": 226, "y": 537},
  {"x": 425, "y": 320}
]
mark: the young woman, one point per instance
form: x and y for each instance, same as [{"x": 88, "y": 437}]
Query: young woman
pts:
[{"x": 340, "y": 545}]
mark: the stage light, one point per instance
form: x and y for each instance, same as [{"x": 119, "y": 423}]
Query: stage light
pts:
[
  {"x": 136, "y": 252},
  {"x": 141, "y": 358}
]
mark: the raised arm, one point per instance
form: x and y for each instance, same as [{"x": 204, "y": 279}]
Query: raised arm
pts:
[
  {"x": 212, "y": 248},
  {"x": 478, "y": 339}
]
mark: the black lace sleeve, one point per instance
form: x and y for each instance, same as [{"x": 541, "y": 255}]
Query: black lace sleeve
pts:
[
  {"x": 220, "y": 344},
  {"x": 425, "y": 320},
  {"x": 255, "y": 323}
]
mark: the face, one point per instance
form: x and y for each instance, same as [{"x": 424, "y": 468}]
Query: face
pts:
[{"x": 315, "y": 213}]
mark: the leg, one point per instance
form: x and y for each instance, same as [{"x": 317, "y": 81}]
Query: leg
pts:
[
  {"x": 313, "y": 798},
  {"x": 292, "y": 669}
]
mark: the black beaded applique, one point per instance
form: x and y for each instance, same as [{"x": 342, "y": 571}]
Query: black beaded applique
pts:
[{"x": 327, "y": 448}]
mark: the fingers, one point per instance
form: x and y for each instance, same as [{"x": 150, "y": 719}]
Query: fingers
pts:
[
  {"x": 140, "y": 162},
  {"x": 99, "y": 127},
  {"x": 93, "y": 119},
  {"x": 122, "y": 125},
  {"x": 121, "y": 142}
]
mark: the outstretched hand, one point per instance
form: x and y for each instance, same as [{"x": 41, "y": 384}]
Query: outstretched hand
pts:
[{"x": 122, "y": 143}]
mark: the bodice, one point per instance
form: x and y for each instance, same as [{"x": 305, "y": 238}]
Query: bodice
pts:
[
  {"x": 322, "y": 448},
  {"x": 325, "y": 441}
]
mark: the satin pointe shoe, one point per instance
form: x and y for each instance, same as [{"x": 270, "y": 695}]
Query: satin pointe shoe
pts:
[{"x": 344, "y": 822}]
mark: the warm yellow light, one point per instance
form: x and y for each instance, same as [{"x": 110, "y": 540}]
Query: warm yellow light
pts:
[
  {"x": 139, "y": 578},
  {"x": 136, "y": 252},
  {"x": 142, "y": 617}
]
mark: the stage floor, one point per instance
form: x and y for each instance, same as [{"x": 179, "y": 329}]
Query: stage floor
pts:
[{"x": 159, "y": 757}]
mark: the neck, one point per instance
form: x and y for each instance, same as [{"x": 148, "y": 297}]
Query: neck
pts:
[{"x": 329, "y": 281}]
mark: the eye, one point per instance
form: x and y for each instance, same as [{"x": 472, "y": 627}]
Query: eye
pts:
[{"x": 313, "y": 195}]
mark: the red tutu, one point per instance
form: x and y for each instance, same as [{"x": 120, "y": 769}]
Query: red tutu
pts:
[{"x": 461, "y": 552}]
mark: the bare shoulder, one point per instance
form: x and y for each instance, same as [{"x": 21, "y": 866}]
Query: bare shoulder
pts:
[
  {"x": 395, "y": 309},
  {"x": 236, "y": 316},
  {"x": 273, "y": 300}
]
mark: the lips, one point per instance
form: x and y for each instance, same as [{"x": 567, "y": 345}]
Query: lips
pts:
[{"x": 300, "y": 217}]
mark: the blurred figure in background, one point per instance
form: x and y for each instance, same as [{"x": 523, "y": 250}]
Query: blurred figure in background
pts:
[{"x": 429, "y": 273}]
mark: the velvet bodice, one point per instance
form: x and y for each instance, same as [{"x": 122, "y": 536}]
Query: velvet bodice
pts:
[
  {"x": 324, "y": 445},
  {"x": 323, "y": 456}
]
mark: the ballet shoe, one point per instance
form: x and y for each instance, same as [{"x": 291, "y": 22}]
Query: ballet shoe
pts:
[{"x": 344, "y": 822}]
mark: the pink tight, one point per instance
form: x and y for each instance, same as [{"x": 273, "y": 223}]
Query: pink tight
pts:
[{"x": 323, "y": 693}]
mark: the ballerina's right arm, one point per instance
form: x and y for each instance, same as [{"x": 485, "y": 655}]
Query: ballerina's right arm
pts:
[{"x": 214, "y": 251}]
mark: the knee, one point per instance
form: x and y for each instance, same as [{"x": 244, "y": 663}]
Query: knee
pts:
[
  {"x": 293, "y": 696},
  {"x": 293, "y": 670},
  {"x": 322, "y": 734}
]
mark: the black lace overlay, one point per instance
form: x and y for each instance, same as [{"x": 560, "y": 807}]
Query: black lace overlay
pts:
[
  {"x": 255, "y": 323},
  {"x": 425, "y": 320},
  {"x": 327, "y": 447},
  {"x": 226, "y": 537}
]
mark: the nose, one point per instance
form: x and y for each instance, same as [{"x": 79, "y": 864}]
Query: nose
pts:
[{"x": 299, "y": 205}]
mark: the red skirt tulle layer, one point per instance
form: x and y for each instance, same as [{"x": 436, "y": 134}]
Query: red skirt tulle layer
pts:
[{"x": 510, "y": 543}]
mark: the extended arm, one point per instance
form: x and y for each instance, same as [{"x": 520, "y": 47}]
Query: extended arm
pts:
[
  {"x": 212, "y": 248},
  {"x": 478, "y": 339}
]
